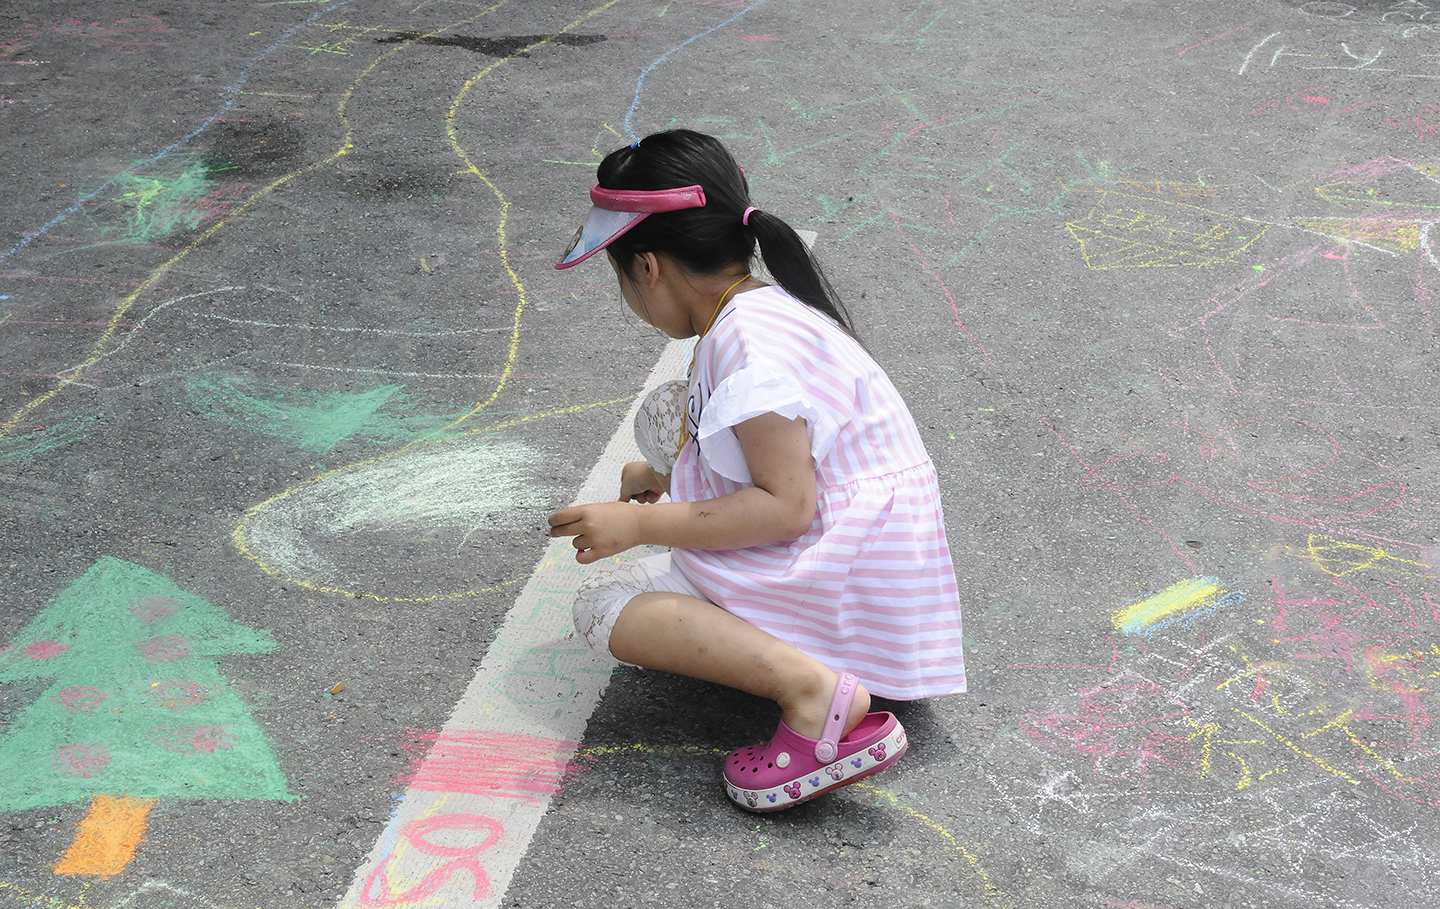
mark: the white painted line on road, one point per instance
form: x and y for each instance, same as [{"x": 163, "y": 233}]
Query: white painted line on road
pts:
[{"x": 474, "y": 802}]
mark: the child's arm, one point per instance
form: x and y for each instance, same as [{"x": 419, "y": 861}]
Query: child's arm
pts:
[{"x": 780, "y": 506}]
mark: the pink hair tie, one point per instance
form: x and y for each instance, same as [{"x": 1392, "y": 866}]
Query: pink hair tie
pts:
[{"x": 745, "y": 218}]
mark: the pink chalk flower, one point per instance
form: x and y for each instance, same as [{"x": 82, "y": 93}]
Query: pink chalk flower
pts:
[
  {"x": 45, "y": 650},
  {"x": 80, "y": 698},
  {"x": 81, "y": 759}
]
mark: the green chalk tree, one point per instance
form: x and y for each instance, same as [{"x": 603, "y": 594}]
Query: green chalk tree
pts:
[{"x": 137, "y": 706}]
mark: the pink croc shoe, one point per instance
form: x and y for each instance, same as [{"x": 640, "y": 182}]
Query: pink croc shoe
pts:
[{"x": 791, "y": 768}]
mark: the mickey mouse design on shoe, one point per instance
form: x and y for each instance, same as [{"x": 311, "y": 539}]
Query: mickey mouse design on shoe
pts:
[{"x": 792, "y": 768}]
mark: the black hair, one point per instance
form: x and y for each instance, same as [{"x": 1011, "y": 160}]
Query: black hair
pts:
[{"x": 705, "y": 240}]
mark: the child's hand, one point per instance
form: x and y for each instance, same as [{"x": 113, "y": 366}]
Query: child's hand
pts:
[
  {"x": 640, "y": 483},
  {"x": 600, "y": 530}
]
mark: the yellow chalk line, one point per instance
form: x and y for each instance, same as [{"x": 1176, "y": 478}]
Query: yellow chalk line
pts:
[
  {"x": 495, "y": 427},
  {"x": 1297, "y": 749},
  {"x": 502, "y": 244}
]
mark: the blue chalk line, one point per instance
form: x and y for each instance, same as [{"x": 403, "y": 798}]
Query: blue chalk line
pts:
[{"x": 640, "y": 83}]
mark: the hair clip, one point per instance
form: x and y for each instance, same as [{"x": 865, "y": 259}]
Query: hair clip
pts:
[{"x": 635, "y": 144}]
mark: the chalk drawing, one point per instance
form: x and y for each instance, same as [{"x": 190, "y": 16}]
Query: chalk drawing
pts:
[
  {"x": 149, "y": 208},
  {"x": 1342, "y": 557},
  {"x": 1181, "y": 604},
  {"x": 640, "y": 81},
  {"x": 312, "y": 421},
  {"x": 1320, "y": 51},
  {"x": 1124, "y": 230},
  {"x": 319, "y": 533},
  {"x": 53, "y": 437},
  {"x": 137, "y": 710}
]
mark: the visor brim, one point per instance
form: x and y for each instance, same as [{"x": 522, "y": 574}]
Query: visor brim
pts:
[{"x": 600, "y": 229}]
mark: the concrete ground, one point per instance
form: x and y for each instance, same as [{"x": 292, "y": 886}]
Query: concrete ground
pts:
[{"x": 289, "y": 387}]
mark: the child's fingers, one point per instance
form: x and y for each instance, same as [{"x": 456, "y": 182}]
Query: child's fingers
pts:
[{"x": 565, "y": 530}]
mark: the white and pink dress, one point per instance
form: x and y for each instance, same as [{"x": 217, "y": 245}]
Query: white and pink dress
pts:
[{"x": 869, "y": 588}]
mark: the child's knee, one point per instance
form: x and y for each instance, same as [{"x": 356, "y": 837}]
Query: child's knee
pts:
[{"x": 600, "y": 600}]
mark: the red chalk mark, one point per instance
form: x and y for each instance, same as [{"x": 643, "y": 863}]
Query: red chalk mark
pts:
[
  {"x": 167, "y": 648},
  {"x": 501, "y": 765},
  {"x": 463, "y": 858},
  {"x": 1216, "y": 38},
  {"x": 1317, "y": 99},
  {"x": 81, "y": 760},
  {"x": 954, "y": 307},
  {"x": 45, "y": 650},
  {"x": 80, "y": 698}
]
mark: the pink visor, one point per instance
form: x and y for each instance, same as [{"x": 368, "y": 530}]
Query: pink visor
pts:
[{"x": 617, "y": 210}]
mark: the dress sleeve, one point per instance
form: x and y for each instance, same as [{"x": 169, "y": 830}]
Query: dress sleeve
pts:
[{"x": 748, "y": 393}]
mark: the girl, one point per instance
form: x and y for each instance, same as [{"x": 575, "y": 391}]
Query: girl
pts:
[{"x": 808, "y": 547}]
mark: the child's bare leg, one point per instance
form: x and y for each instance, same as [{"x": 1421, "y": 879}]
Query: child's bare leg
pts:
[{"x": 688, "y": 636}]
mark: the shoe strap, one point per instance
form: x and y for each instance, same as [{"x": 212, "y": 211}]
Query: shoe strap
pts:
[{"x": 828, "y": 748}]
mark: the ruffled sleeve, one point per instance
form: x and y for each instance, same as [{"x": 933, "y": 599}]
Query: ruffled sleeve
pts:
[{"x": 748, "y": 393}]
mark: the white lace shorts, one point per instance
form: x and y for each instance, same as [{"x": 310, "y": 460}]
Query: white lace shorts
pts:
[{"x": 604, "y": 594}]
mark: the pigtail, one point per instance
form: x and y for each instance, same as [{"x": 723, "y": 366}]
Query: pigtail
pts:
[{"x": 794, "y": 266}]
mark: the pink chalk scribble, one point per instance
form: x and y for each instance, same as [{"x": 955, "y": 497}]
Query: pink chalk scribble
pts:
[
  {"x": 167, "y": 648},
  {"x": 80, "y": 698},
  {"x": 45, "y": 650},
  {"x": 1125, "y": 726},
  {"x": 461, "y": 858},
  {"x": 502, "y": 765},
  {"x": 193, "y": 739},
  {"x": 81, "y": 760}
]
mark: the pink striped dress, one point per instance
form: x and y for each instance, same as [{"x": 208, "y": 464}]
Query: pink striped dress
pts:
[{"x": 870, "y": 587}]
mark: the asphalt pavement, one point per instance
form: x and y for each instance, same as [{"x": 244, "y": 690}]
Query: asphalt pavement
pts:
[{"x": 289, "y": 387}]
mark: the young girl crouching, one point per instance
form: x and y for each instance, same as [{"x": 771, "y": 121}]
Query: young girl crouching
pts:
[{"x": 808, "y": 560}]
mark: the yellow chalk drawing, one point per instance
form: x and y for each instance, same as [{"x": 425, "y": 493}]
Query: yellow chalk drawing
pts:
[
  {"x": 1150, "y": 233},
  {"x": 1319, "y": 761},
  {"x": 1384, "y": 233},
  {"x": 1182, "y": 603},
  {"x": 100, "y": 348},
  {"x": 242, "y": 533},
  {"x": 1339, "y": 558}
]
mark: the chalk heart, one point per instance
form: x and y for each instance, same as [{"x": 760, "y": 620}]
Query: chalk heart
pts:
[{"x": 391, "y": 526}]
